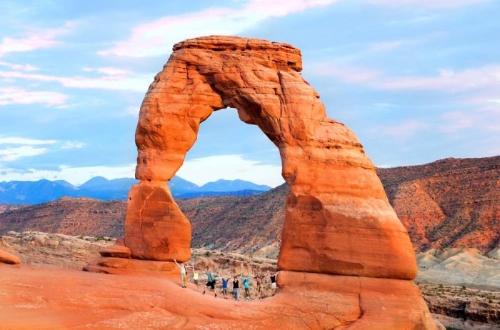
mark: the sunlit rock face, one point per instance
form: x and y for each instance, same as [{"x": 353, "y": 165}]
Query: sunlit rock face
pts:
[{"x": 338, "y": 219}]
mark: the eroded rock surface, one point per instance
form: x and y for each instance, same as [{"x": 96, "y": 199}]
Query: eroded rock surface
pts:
[
  {"x": 9, "y": 258},
  {"x": 338, "y": 219}
]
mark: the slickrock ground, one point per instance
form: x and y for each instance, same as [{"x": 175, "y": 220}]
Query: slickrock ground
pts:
[
  {"x": 43, "y": 297},
  {"x": 468, "y": 307}
]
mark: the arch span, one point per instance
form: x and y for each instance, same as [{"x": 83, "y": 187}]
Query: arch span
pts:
[{"x": 338, "y": 219}]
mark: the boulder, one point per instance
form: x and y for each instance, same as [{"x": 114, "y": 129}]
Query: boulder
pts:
[
  {"x": 117, "y": 251},
  {"x": 8, "y": 258}
]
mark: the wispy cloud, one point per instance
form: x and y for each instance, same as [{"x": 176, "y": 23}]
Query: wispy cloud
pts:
[
  {"x": 25, "y": 141},
  {"x": 18, "y": 67},
  {"x": 14, "y": 153},
  {"x": 402, "y": 130},
  {"x": 206, "y": 169},
  {"x": 72, "y": 145},
  {"x": 485, "y": 119},
  {"x": 445, "y": 80},
  {"x": 14, "y": 95},
  {"x": 34, "y": 39},
  {"x": 73, "y": 174},
  {"x": 107, "y": 80},
  {"x": 157, "y": 37},
  {"x": 436, "y": 4},
  {"x": 16, "y": 147}
]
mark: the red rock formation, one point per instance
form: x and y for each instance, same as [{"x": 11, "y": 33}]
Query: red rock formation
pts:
[
  {"x": 155, "y": 227},
  {"x": 338, "y": 219},
  {"x": 8, "y": 258},
  {"x": 115, "y": 251}
]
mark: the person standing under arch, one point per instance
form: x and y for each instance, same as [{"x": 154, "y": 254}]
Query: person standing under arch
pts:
[{"x": 183, "y": 273}]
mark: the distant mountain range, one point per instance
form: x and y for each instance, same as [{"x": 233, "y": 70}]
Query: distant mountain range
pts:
[
  {"x": 451, "y": 203},
  {"x": 35, "y": 192}
]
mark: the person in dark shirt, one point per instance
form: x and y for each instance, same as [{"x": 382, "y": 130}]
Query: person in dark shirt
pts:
[
  {"x": 273, "y": 281},
  {"x": 236, "y": 288}
]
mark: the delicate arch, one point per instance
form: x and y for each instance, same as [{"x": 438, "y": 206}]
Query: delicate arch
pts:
[{"x": 338, "y": 219}]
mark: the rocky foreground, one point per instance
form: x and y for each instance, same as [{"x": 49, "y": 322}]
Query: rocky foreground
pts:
[{"x": 454, "y": 289}]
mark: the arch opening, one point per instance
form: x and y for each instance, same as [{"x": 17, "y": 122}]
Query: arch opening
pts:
[{"x": 250, "y": 157}]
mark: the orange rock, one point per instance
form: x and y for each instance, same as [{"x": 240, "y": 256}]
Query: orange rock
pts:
[
  {"x": 65, "y": 299},
  {"x": 338, "y": 219},
  {"x": 110, "y": 265},
  {"x": 10, "y": 259},
  {"x": 155, "y": 227},
  {"x": 118, "y": 251}
]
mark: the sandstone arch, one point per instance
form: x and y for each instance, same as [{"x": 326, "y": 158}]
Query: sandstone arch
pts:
[{"x": 338, "y": 219}]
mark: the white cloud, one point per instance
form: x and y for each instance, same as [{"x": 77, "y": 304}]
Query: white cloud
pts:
[
  {"x": 14, "y": 153},
  {"x": 436, "y": 4},
  {"x": 390, "y": 45},
  {"x": 74, "y": 175},
  {"x": 24, "y": 141},
  {"x": 18, "y": 67},
  {"x": 445, "y": 80},
  {"x": 402, "y": 130},
  {"x": 157, "y": 37},
  {"x": 72, "y": 145},
  {"x": 16, "y": 147},
  {"x": 109, "y": 71},
  {"x": 34, "y": 39},
  {"x": 485, "y": 119},
  {"x": 134, "y": 83},
  {"x": 14, "y": 95},
  {"x": 230, "y": 167}
]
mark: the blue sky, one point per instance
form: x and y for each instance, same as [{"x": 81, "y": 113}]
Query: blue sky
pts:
[{"x": 417, "y": 80}]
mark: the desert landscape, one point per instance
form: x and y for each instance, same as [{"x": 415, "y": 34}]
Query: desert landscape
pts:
[
  {"x": 250, "y": 165},
  {"x": 459, "y": 280}
]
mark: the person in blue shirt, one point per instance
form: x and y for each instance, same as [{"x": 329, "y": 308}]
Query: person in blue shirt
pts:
[
  {"x": 225, "y": 281},
  {"x": 246, "y": 286}
]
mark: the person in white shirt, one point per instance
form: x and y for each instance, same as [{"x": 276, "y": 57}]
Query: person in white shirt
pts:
[{"x": 183, "y": 272}]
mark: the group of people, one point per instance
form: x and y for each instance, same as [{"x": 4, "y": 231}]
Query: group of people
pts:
[{"x": 236, "y": 281}]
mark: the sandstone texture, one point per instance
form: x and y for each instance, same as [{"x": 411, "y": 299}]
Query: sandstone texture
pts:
[
  {"x": 45, "y": 298},
  {"x": 9, "y": 258},
  {"x": 115, "y": 251},
  {"x": 337, "y": 220},
  {"x": 155, "y": 227}
]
